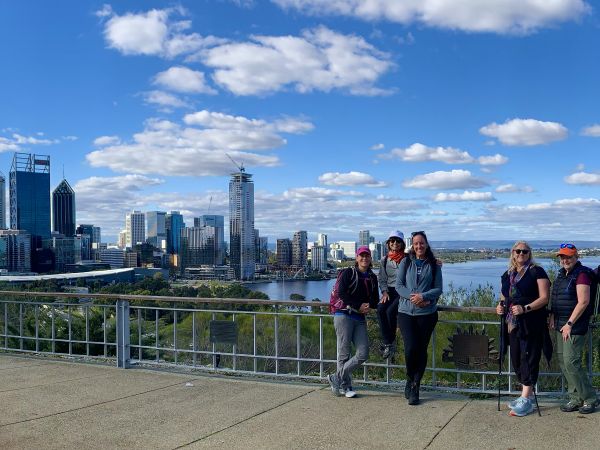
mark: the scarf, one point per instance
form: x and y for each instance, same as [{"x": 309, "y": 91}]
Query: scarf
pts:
[
  {"x": 396, "y": 256},
  {"x": 514, "y": 277}
]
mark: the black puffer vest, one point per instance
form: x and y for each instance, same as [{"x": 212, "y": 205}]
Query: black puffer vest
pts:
[{"x": 564, "y": 299}]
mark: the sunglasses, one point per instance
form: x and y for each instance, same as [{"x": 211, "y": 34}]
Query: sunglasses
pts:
[
  {"x": 396, "y": 240},
  {"x": 569, "y": 246},
  {"x": 414, "y": 233},
  {"x": 518, "y": 251}
]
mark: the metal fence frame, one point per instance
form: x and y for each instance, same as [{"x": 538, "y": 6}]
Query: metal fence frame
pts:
[{"x": 127, "y": 311}]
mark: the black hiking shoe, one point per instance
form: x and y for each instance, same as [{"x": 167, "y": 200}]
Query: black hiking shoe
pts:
[{"x": 413, "y": 396}]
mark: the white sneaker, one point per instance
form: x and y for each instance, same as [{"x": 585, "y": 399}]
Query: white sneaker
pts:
[{"x": 350, "y": 393}]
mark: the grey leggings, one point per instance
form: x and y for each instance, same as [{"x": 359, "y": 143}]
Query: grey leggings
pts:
[{"x": 348, "y": 332}]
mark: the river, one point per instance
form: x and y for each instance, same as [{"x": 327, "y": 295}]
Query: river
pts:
[{"x": 467, "y": 275}]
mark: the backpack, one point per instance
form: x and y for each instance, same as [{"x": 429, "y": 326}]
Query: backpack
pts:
[
  {"x": 594, "y": 293},
  {"x": 335, "y": 302}
]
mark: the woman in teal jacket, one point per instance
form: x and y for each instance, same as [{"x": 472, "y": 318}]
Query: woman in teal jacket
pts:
[{"x": 419, "y": 284}]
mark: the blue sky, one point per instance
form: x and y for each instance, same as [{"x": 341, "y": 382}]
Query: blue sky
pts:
[{"x": 467, "y": 119}]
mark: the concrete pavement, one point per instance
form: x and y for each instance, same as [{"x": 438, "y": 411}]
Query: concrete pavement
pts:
[{"x": 50, "y": 404}]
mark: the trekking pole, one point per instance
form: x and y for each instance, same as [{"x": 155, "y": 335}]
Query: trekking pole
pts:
[
  {"x": 500, "y": 349},
  {"x": 535, "y": 397}
]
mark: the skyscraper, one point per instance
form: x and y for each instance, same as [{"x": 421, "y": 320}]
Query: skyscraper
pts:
[
  {"x": 2, "y": 201},
  {"x": 63, "y": 209},
  {"x": 283, "y": 249},
  {"x": 135, "y": 224},
  {"x": 218, "y": 223},
  {"x": 156, "y": 234},
  {"x": 299, "y": 249},
  {"x": 173, "y": 226},
  {"x": 30, "y": 195},
  {"x": 241, "y": 225},
  {"x": 364, "y": 237}
]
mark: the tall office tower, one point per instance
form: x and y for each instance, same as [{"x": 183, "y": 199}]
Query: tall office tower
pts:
[
  {"x": 135, "y": 224},
  {"x": 241, "y": 225},
  {"x": 18, "y": 250},
  {"x": 85, "y": 232},
  {"x": 173, "y": 227},
  {"x": 364, "y": 237},
  {"x": 30, "y": 196},
  {"x": 300, "y": 249},
  {"x": 283, "y": 249},
  {"x": 2, "y": 201},
  {"x": 218, "y": 223},
  {"x": 262, "y": 250},
  {"x": 63, "y": 209},
  {"x": 156, "y": 231},
  {"x": 322, "y": 240},
  {"x": 199, "y": 246}
]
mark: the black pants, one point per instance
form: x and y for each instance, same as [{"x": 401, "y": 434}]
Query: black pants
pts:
[
  {"x": 416, "y": 333},
  {"x": 525, "y": 356},
  {"x": 387, "y": 313}
]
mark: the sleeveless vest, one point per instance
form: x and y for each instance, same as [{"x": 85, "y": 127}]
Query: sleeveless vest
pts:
[{"x": 564, "y": 300}]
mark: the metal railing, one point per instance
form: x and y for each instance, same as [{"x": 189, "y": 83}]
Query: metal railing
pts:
[{"x": 292, "y": 339}]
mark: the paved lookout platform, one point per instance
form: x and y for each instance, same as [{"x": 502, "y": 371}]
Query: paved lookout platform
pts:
[{"x": 51, "y": 404}]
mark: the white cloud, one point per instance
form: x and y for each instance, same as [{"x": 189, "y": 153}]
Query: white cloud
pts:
[
  {"x": 583, "y": 178},
  {"x": 107, "y": 140},
  {"x": 525, "y": 132},
  {"x": 199, "y": 149},
  {"x": 377, "y": 147},
  {"x": 7, "y": 145},
  {"x": 455, "y": 179},
  {"x": 498, "y": 16},
  {"x": 592, "y": 131},
  {"x": 28, "y": 140},
  {"x": 164, "y": 100},
  {"x": 319, "y": 60},
  {"x": 350, "y": 179},
  {"x": 419, "y": 153},
  {"x": 16, "y": 141},
  {"x": 70, "y": 138},
  {"x": 466, "y": 196},
  {"x": 319, "y": 192},
  {"x": 153, "y": 33},
  {"x": 495, "y": 160},
  {"x": 182, "y": 79},
  {"x": 511, "y": 188}
]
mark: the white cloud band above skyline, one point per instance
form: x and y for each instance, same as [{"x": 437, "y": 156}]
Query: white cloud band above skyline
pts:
[{"x": 455, "y": 179}]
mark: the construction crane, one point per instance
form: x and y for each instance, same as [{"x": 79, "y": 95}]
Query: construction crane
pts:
[{"x": 239, "y": 166}]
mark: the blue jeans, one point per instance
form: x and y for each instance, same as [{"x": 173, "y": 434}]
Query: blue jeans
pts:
[{"x": 349, "y": 331}]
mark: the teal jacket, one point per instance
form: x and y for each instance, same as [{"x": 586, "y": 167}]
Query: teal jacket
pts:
[{"x": 406, "y": 284}]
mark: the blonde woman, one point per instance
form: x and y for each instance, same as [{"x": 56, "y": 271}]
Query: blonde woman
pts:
[{"x": 524, "y": 296}]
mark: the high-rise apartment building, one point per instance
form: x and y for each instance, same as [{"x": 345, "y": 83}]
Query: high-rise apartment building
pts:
[
  {"x": 283, "y": 249},
  {"x": 349, "y": 248},
  {"x": 2, "y": 201},
  {"x": 156, "y": 229},
  {"x": 318, "y": 258},
  {"x": 63, "y": 209},
  {"x": 322, "y": 240},
  {"x": 135, "y": 225},
  {"x": 173, "y": 226},
  {"x": 30, "y": 195},
  {"x": 241, "y": 225},
  {"x": 300, "y": 249}
]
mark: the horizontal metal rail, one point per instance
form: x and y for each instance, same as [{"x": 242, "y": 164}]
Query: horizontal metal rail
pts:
[{"x": 291, "y": 339}]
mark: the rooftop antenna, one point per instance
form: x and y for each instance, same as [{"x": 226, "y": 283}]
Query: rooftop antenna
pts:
[{"x": 239, "y": 166}]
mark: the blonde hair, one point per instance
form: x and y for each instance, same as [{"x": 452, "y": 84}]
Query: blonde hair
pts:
[{"x": 512, "y": 264}]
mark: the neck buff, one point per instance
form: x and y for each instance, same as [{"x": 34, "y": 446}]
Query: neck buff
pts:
[{"x": 396, "y": 256}]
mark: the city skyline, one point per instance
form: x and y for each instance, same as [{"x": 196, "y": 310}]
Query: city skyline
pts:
[{"x": 467, "y": 121}]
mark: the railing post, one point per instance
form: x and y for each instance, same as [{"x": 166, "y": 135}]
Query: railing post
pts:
[{"x": 123, "y": 344}]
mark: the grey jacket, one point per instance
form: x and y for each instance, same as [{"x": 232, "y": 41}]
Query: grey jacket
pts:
[
  {"x": 387, "y": 274},
  {"x": 406, "y": 285}
]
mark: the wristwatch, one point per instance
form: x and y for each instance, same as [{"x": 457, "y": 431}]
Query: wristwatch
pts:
[
  {"x": 569, "y": 323},
  {"x": 527, "y": 308}
]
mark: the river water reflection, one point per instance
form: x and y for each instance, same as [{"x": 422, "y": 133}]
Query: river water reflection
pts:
[{"x": 467, "y": 275}]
